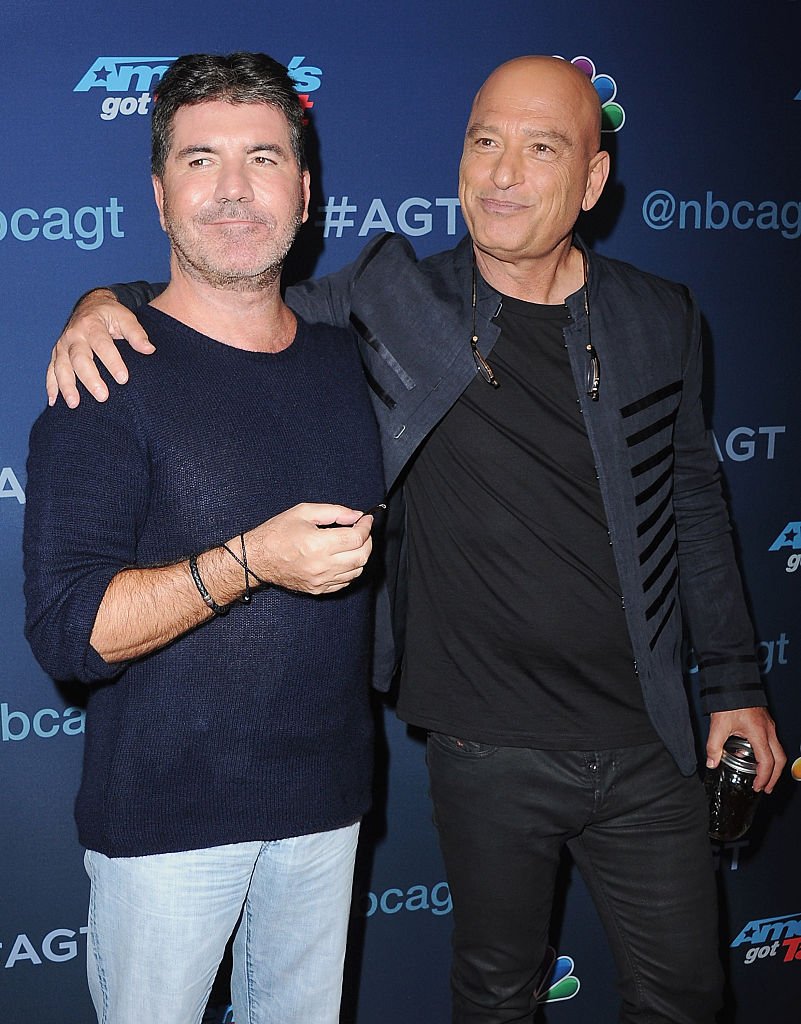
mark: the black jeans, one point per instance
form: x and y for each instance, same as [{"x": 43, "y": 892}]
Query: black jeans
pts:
[{"x": 637, "y": 830}]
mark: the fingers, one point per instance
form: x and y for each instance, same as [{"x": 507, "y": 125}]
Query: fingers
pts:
[
  {"x": 760, "y": 729},
  {"x": 97, "y": 320},
  {"x": 359, "y": 533},
  {"x": 129, "y": 329},
  {"x": 83, "y": 363},
  {"x": 335, "y": 566},
  {"x": 348, "y": 575},
  {"x": 350, "y": 564},
  {"x": 62, "y": 372},
  {"x": 767, "y": 775},
  {"x": 51, "y": 384},
  {"x": 76, "y": 358},
  {"x": 757, "y": 726},
  {"x": 296, "y": 550},
  {"x": 771, "y": 760},
  {"x": 322, "y": 514}
]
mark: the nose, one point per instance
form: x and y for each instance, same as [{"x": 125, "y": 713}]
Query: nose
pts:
[
  {"x": 508, "y": 169},
  {"x": 233, "y": 184}
]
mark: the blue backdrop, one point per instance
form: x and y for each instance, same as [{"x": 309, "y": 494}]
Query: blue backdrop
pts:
[{"x": 706, "y": 100}]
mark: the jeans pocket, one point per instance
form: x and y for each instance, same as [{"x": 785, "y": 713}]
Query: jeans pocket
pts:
[{"x": 461, "y": 747}]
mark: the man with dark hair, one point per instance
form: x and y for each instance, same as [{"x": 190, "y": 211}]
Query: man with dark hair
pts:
[
  {"x": 175, "y": 562},
  {"x": 241, "y": 78},
  {"x": 564, "y": 520}
]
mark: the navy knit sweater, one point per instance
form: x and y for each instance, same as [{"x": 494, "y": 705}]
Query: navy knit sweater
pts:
[{"x": 253, "y": 726}]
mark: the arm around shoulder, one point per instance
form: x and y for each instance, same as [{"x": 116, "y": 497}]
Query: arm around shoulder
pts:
[
  {"x": 328, "y": 299},
  {"x": 98, "y": 318}
]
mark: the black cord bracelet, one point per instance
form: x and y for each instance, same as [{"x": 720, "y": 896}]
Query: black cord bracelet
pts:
[
  {"x": 246, "y": 597},
  {"x": 218, "y": 609},
  {"x": 243, "y": 561}
]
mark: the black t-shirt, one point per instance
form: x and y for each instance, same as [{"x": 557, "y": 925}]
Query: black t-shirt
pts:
[{"x": 516, "y": 633}]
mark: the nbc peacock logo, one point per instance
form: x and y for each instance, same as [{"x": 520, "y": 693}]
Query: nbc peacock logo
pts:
[
  {"x": 560, "y": 982},
  {"x": 613, "y": 116}
]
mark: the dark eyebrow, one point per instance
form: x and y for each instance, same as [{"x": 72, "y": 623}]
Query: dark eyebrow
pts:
[
  {"x": 268, "y": 147},
  {"x": 259, "y": 147},
  {"x": 189, "y": 150},
  {"x": 475, "y": 129}
]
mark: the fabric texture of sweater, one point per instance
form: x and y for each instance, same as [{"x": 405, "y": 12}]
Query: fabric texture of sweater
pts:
[{"x": 255, "y": 725}]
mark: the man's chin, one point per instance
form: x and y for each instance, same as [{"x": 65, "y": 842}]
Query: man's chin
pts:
[
  {"x": 506, "y": 250},
  {"x": 236, "y": 278},
  {"x": 233, "y": 281},
  {"x": 489, "y": 234}
]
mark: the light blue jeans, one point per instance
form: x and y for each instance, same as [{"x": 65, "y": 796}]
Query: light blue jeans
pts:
[{"x": 158, "y": 927}]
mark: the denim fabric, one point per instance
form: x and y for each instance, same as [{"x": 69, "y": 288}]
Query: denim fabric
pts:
[
  {"x": 637, "y": 830},
  {"x": 158, "y": 927}
]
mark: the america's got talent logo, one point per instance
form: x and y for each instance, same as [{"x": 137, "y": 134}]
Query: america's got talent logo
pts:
[
  {"x": 138, "y": 77},
  {"x": 789, "y": 539}
]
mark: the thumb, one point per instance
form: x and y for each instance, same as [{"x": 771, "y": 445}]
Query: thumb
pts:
[{"x": 322, "y": 514}]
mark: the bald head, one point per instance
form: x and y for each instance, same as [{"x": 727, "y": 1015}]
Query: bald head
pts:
[
  {"x": 546, "y": 85},
  {"x": 531, "y": 163}
]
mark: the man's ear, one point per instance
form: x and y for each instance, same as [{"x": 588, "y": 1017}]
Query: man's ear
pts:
[
  {"x": 597, "y": 175},
  {"x": 306, "y": 186},
  {"x": 158, "y": 195}
]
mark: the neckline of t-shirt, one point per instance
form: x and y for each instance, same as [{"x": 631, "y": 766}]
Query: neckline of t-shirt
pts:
[
  {"x": 534, "y": 310},
  {"x": 195, "y": 337}
]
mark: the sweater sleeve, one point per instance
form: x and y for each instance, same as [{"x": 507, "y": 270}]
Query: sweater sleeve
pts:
[
  {"x": 709, "y": 583},
  {"x": 86, "y": 496}
]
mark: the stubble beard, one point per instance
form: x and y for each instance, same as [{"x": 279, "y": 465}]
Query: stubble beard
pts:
[{"x": 199, "y": 264}]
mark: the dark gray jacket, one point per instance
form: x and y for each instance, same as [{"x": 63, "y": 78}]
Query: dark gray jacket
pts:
[{"x": 658, "y": 473}]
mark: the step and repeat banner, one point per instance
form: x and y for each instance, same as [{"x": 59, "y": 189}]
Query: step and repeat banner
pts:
[{"x": 702, "y": 111}]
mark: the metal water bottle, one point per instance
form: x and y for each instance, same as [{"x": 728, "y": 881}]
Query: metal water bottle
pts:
[{"x": 730, "y": 790}]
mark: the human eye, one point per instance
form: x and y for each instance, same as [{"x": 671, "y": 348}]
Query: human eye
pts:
[
  {"x": 549, "y": 146},
  {"x": 265, "y": 159},
  {"x": 542, "y": 147}
]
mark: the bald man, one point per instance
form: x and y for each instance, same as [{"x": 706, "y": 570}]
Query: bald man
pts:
[{"x": 563, "y": 521}]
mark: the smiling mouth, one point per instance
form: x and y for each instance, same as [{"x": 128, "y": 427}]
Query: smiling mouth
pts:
[
  {"x": 235, "y": 222},
  {"x": 501, "y": 205}
]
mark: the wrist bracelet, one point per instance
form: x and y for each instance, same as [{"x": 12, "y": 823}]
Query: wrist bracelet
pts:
[
  {"x": 218, "y": 609},
  {"x": 243, "y": 561}
]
